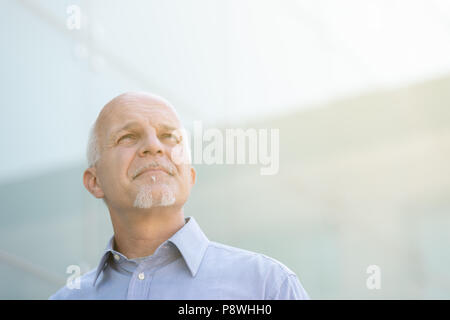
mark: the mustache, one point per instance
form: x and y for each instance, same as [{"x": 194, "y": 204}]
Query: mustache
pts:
[{"x": 169, "y": 169}]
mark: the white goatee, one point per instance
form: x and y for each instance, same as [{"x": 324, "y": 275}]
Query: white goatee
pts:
[
  {"x": 168, "y": 198},
  {"x": 144, "y": 198}
]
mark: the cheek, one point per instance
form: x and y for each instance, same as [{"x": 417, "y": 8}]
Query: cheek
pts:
[
  {"x": 185, "y": 179},
  {"x": 178, "y": 155},
  {"x": 125, "y": 162},
  {"x": 119, "y": 164}
]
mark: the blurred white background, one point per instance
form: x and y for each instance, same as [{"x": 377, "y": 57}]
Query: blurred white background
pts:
[{"x": 360, "y": 91}]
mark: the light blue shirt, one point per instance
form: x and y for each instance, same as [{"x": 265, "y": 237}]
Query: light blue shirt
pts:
[{"x": 187, "y": 266}]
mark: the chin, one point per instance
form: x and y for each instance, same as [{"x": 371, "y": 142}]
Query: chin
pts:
[{"x": 151, "y": 196}]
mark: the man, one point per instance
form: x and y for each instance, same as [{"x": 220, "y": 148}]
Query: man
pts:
[{"x": 139, "y": 164}]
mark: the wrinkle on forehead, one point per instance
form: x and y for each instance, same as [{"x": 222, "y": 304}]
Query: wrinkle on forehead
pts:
[{"x": 117, "y": 105}]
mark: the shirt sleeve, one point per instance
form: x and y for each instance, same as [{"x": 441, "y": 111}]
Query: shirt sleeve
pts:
[{"x": 291, "y": 289}]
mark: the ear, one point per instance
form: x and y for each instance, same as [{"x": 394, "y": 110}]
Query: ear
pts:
[
  {"x": 193, "y": 176},
  {"x": 90, "y": 182}
]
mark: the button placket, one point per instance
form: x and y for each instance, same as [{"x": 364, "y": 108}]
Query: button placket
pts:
[
  {"x": 136, "y": 288},
  {"x": 140, "y": 284}
]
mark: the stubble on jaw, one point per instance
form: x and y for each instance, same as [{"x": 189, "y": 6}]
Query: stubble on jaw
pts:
[{"x": 144, "y": 198}]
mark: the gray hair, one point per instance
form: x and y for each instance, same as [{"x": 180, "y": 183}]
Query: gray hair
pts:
[{"x": 93, "y": 150}]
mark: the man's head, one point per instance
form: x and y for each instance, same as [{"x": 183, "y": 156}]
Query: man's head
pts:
[{"x": 138, "y": 154}]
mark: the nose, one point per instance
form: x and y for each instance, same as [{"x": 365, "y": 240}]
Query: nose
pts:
[{"x": 151, "y": 145}]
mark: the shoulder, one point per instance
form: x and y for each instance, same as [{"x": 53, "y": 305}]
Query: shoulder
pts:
[
  {"x": 79, "y": 289},
  {"x": 277, "y": 280},
  {"x": 247, "y": 258}
]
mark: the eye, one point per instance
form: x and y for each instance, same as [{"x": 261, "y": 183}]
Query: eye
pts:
[
  {"x": 126, "y": 137},
  {"x": 170, "y": 136}
]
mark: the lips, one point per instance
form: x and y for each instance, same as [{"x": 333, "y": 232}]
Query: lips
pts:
[{"x": 150, "y": 170}]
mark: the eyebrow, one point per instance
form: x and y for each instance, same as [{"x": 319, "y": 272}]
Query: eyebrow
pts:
[
  {"x": 167, "y": 127},
  {"x": 133, "y": 124}
]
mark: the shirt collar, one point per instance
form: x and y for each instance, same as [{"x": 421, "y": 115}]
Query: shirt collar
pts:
[
  {"x": 190, "y": 241},
  {"x": 192, "y": 244}
]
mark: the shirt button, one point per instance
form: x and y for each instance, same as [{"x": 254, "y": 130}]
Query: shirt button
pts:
[{"x": 141, "y": 276}]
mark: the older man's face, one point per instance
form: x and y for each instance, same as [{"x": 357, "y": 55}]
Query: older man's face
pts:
[{"x": 138, "y": 138}]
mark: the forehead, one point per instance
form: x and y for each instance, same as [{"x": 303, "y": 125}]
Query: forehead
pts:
[{"x": 140, "y": 111}]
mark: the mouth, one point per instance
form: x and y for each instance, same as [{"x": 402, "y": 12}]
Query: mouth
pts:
[{"x": 152, "y": 171}]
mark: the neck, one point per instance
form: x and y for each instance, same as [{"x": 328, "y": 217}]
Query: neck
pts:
[{"x": 139, "y": 232}]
